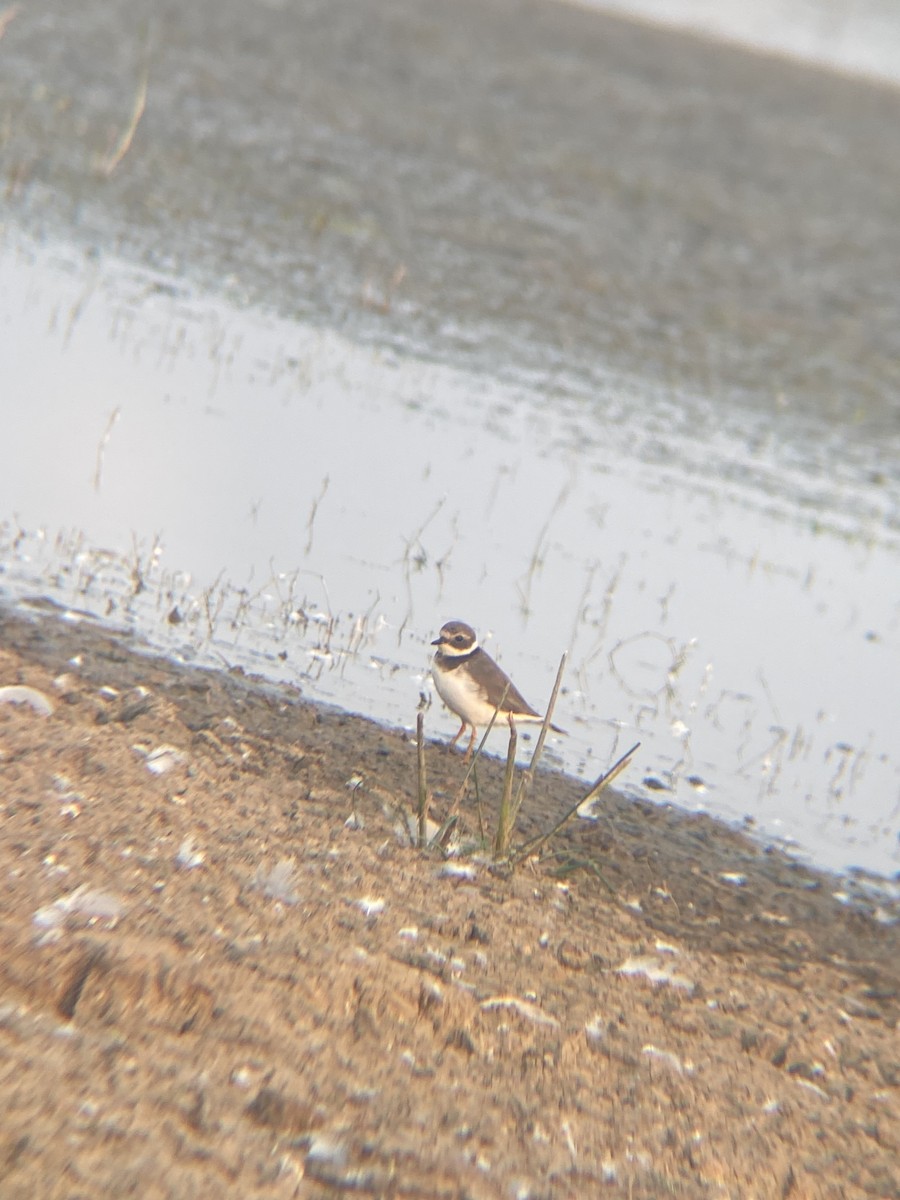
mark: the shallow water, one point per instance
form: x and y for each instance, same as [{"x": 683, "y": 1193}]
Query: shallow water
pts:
[
  {"x": 581, "y": 331},
  {"x": 245, "y": 489}
]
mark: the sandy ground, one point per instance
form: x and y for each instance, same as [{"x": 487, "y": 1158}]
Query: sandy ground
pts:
[{"x": 226, "y": 972}]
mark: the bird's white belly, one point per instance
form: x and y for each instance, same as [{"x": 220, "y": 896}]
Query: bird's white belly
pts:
[{"x": 462, "y": 696}]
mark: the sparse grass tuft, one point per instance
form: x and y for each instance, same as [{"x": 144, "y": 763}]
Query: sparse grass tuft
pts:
[{"x": 503, "y": 850}]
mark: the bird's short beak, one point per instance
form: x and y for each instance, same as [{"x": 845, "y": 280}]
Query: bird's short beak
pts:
[{"x": 437, "y": 641}]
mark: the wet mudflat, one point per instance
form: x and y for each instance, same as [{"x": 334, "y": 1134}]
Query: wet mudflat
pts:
[{"x": 225, "y": 968}]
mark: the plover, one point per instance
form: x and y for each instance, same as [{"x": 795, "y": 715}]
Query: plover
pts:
[{"x": 471, "y": 684}]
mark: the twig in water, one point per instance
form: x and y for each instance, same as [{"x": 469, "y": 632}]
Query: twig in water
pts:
[
  {"x": 213, "y": 615},
  {"x": 321, "y": 578},
  {"x": 419, "y": 559},
  {"x": 383, "y": 305},
  {"x": 416, "y": 539},
  {"x": 582, "y": 603},
  {"x": 101, "y": 448},
  {"x": 140, "y": 103},
  {"x": 312, "y": 514},
  {"x": 138, "y": 582},
  {"x": 601, "y": 623},
  {"x": 537, "y": 557}
]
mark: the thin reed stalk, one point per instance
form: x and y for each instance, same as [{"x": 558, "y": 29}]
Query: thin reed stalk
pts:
[
  {"x": 528, "y": 773},
  {"x": 422, "y": 812},
  {"x": 504, "y": 817},
  {"x": 482, "y": 837}
]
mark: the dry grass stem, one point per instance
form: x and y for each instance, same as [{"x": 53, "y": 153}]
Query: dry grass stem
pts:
[
  {"x": 528, "y": 774},
  {"x": 505, "y": 816},
  {"x": 603, "y": 782},
  {"x": 443, "y": 835},
  {"x": 423, "y": 790},
  {"x": 482, "y": 836}
]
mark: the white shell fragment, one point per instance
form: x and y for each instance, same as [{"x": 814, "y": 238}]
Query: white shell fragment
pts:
[
  {"x": 29, "y": 696},
  {"x": 811, "y": 1087},
  {"x": 91, "y": 904},
  {"x": 667, "y": 1059},
  {"x": 452, "y": 870},
  {"x": 279, "y": 882},
  {"x": 523, "y": 1007},
  {"x": 189, "y": 856},
  {"x": 665, "y": 947},
  {"x": 656, "y": 970},
  {"x": 595, "y": 1028},
  {"x": 161, "y": 759},
  {"x": 323, "y": 1149}
]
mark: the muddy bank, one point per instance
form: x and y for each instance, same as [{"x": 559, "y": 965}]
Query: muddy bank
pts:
[{"x": 224, "y": 971}]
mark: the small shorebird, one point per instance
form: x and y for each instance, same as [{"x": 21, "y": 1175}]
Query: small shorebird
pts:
[{"x": 471, "y": 684}]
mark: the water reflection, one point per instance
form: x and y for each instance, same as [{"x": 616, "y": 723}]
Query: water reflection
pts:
[{"x": 249, "y": 490}]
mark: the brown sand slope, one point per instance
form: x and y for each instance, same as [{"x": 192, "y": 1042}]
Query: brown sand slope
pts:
[{"x": 234, "y": 977}]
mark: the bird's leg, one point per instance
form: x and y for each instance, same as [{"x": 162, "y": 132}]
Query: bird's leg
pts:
[
  {"x": 471, "y": 745},
  {"x": 459, "y": 734}
]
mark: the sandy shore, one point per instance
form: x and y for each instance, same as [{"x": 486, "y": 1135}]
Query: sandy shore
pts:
[{"x": 225, "y": 970}]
